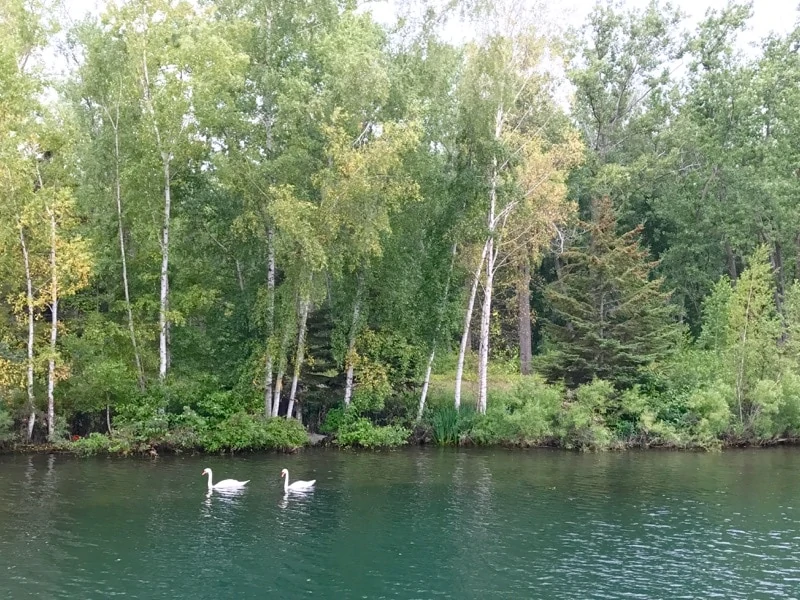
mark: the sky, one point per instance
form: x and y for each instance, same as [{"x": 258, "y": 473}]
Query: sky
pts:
[
  {"x": 768, "y": 15},
  {"x": 778, "y": 16}
]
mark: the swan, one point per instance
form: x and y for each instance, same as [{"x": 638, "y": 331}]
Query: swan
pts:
[
  {"x": 297, "y": 486},
  {"x": 225, "y": 484}
]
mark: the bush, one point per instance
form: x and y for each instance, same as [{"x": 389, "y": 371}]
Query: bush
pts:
[
  {"x": 789, "y": 414},
  {"x": 362, "y": 432},
  {"x": 243, "y": 431},
  {"x": 582, "y": 423},
  {"x": 144, "y": 422},
  {"x": 100, "y": 443},
  {"x": 334, "y": 419},
  {"x": 6, "y": 426},
  {"x": 710, "y": 415}
]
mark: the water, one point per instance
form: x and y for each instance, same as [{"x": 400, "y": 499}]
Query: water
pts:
[{"x": 417, "y": 523}]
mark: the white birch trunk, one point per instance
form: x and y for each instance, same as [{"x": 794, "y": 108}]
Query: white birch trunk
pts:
[
  {"x": 351, "y": 346},
  {"x": 424, "y": 395},
  {"x": 51, "y": 363},
  {"x": 163, "y": 348},
  {"x": 123, "y": 254},
  {"x": 491, "y": 255},
  {"x": 486, "y": 313},
  {"x": 270, "y": 323},
  {"x": 467, "y": 319},
  {"x": 29, "y": 302},
  {"x": 276, "y": 402},
  {"x": 163, "y": 322},
  {"x": 298, "y": 360}
]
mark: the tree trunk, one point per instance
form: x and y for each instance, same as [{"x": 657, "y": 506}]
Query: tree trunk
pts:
[
  {"x": 51, "y": 362},
  {"x": 483, "y": 354},
  {"x": 351, "y": 346},
  {"x": 467, "y": 320},
  {"x": 270, "y": 322},
  {"x": 488, "y": 288},
  {"x": 163, "y": 363},
  {"x": 123, "y": 254},
  {"x": 298, "y": 359},
  {"x": 425, "y": 384},
  {"x": 166, "y": 157},
  {"x": 276, "y": 401},
  {"x": 524, "y": 316},
  {"x": 29, "y": 302}
]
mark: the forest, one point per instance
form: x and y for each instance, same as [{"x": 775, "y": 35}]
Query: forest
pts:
[{"x": 226, "y": 224}]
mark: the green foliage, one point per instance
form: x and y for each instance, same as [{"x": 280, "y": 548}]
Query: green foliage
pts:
[
  {"x": 334, "y": 419},
  {"x": 444, "y": 422},
  {"x": 6, "y": 426},
  {"x": 582, "y": 424},
  {"x": 357, "y": 161},
  {"x": 611, "y": 320},
  {"x": 99, "y": 443},
  {"x": 352, "y": 429},
  {"x": 243, "y": 431},
  {"x": 365, "y": 434}
]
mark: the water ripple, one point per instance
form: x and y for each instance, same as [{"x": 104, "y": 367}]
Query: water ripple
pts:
[{"x": 411, "y": 524}]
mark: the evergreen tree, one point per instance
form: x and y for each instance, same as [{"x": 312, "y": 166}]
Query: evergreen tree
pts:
[{"x": 610, "y": 319}]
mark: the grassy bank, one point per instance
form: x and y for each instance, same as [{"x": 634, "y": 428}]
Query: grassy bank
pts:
[{"x": 522, "y": 412}]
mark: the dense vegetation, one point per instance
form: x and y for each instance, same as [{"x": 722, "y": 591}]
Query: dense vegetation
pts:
[{"x": 229, "y": 219}]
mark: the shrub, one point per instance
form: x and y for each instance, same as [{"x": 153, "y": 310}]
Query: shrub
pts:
[
  {"x": 243, "y": 431},
  {"x": 100, "y": 443},
  {"x": 333, "y": 420},
  {"x": 582, "y": 423},
  {"x": 6, "y": 426},
  {"x": 789, "y": 413},
  {"x": 360, "y": 431},
  {"x": 767, "y": 398},
  {"x": 710, "y": 415},
  {"x": 143, "y": 422},
  {"x": 494, "y": 427}
]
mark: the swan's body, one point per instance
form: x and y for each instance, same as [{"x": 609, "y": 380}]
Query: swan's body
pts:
[
  {"x": 225, "y": 484},
  {"x": 297, "y": 486}
]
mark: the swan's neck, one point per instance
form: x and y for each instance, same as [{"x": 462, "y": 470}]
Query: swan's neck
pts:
[
  {"x": 210, "y": 485},
  {"x": 286, "y": 482}
]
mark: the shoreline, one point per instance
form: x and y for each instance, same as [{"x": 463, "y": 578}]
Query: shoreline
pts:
[{"x": 328, "y": 445}]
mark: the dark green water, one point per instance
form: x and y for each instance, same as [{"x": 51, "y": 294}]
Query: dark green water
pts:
[{"x": 409, "y": 524}]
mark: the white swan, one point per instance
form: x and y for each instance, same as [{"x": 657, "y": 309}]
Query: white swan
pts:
[
  {"x": 225, "y": 484},
  {"x": 297, "y": 486}
]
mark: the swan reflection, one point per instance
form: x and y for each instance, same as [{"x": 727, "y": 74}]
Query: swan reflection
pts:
[
  {"x": 228, "y": 496},
  {"x": 297, "y": 496}
]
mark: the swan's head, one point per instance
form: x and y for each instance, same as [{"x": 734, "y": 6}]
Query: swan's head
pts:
[
  {"x": 206, "y": 471},
  {"x": 284, "y": 472}
]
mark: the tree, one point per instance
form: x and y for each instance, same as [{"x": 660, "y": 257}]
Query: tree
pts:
[
  {"x": 516, "y": 146},
  {"x": 743, "y": 328},
  {"x": 610, "y": 319},
  {"x": 24, "y": 30}
]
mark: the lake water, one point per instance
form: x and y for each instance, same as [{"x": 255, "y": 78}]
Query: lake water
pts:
[{"x": 416, "y": 523}]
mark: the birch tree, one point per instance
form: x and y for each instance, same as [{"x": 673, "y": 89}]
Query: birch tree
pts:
[
  {"x": 363, "y": 185},
  {"x": 23, "y": 31},
  {"x": 181, "y": 86},
  {"x": 521, "y": 147}
]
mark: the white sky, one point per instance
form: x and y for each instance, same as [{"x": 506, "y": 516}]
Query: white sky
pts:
[
  {"x": 777, "y": 16},
  {"x": 768, "y": 15}
]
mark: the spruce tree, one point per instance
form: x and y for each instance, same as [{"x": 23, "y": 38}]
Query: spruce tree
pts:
[{"x": 610, "y": 317}]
